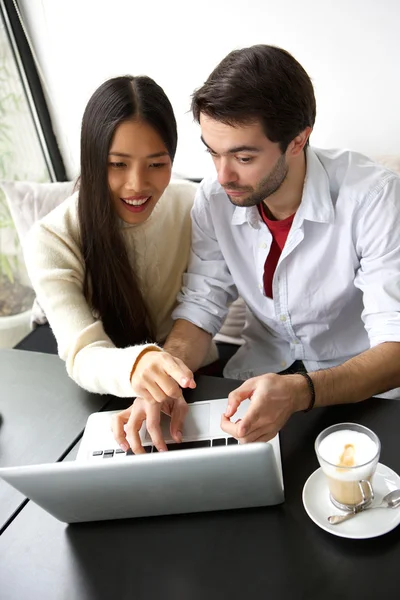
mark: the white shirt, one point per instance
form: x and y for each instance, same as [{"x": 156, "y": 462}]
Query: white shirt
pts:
[{"x": 336, "y": 288}]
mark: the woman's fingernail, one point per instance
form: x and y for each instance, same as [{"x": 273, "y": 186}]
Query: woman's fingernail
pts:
[
  {"x": 184, "y": 381},
  {"x": 124, "y": 446}
]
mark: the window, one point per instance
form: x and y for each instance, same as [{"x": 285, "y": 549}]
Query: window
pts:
[{"x": 24, "y": 156}]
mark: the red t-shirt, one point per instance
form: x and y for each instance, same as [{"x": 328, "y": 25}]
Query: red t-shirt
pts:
[{"x": 279, "y": 231}]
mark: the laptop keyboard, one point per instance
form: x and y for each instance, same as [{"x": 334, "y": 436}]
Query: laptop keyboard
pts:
[{"x": 182, "y": 446}]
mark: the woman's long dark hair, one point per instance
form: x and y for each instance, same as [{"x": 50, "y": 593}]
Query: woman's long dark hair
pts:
[{"x": 110, "y": 286}]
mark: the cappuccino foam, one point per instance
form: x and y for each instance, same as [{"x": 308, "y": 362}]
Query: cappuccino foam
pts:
[{"x": 347, "y": 449}]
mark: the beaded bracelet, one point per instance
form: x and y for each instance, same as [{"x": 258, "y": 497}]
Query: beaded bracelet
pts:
[{"x": 312, "y": 391}]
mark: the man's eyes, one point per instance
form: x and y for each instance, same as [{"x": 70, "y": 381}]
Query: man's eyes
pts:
[{"x": 243, "y": 160}]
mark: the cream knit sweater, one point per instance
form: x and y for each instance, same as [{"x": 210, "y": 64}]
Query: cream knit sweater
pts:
[{"x": 158, "y": 250}]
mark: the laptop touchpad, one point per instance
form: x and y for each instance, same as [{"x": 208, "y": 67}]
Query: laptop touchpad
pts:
[{"x": 197, "y": 423}]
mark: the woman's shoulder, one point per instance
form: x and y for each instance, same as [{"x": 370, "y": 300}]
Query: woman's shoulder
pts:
[
  {"x": 62, "y": 217},
  {"x": 61, "y": 222},
  {"x": 182, "y": 191}
]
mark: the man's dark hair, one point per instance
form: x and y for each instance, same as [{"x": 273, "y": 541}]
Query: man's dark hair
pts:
[{"x": 261, "y": 83}]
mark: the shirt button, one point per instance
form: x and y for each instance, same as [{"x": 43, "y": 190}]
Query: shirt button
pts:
[
  {"x": 283, "y": 364},
  {"x": 260, "y": 287},
  {"x": 264, "y": 245},
  {"x": 283, "y": 318}
]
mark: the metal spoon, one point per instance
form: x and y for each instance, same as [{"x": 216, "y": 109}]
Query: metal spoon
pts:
[{"x": 391, "y": 500}]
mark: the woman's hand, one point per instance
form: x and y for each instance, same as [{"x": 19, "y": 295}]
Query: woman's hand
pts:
[
  {"x": 159, "y": 376},
  {"x": 127, "y": 424}
]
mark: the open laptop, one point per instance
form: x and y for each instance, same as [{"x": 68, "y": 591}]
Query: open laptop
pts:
[{"x": 208, "y": 471}]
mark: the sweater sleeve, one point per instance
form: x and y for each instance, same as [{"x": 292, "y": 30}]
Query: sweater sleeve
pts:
[{"x": 55, "y": 266}]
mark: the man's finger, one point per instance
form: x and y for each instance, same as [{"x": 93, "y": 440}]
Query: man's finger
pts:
[
  {"x": 117, "y": 426},
  {"x": 254, "y": 417},
  {"x": 261, "y": 434},
  {"x": 237, "y": 396},
  {"x": 133, "y": 426},
  {"x": 229, "y": 427},
  {"x": 242, "y": 427},
  {"x": 178, "y": 415},
  {"x": 153, "y": 414}
]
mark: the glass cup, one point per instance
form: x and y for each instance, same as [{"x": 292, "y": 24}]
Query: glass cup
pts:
[{"x": 350, "y": 485}]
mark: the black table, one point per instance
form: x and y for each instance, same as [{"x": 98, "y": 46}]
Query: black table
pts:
[
  {"x": 273, "y": 553},
  {"x": 43, "y": 413}
]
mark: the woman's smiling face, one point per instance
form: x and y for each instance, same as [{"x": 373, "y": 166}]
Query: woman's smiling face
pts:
[{"x": 139, "y": 170}]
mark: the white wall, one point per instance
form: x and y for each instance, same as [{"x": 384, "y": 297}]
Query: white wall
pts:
[{"x": 350, "y": 48}]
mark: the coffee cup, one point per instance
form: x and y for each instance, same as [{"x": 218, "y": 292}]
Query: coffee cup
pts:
[{"x": 348, "y": 454}]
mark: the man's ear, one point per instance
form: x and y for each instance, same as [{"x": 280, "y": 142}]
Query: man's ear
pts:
[{"x": 296, "y": 146}]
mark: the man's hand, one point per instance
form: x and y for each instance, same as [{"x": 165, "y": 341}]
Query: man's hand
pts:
[
  {"x": 274, "y": 398},
  {"x": 126, "y": 424},
  {"x": 158, "y": 375}
]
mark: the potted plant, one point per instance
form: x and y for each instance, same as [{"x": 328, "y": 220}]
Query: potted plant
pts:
[
  {"x": 21, "y": 158},
  {"x": 16, "y": 297}
]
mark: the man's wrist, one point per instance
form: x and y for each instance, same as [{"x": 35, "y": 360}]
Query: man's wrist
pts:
[{"x": 301, "y": 391}]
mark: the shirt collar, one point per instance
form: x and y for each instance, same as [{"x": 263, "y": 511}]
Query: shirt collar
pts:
[{"x": 316, "y": 203}]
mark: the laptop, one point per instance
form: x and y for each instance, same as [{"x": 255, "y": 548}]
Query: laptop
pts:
[{"x": 208, "y": 471}]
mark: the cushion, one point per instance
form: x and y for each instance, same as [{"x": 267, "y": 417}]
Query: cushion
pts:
[
  {"x": 389, "y": 161},
  {"x": 30, "y": 201},
  {"x": 230, "y": 332}
]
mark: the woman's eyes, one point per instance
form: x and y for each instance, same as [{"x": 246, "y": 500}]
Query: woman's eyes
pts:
[
  {"x": 117, "y": 165},
  {"x": 121, "y": 165}
]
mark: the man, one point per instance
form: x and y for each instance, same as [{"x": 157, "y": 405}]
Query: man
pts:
[{"x": 309, "y": 239}]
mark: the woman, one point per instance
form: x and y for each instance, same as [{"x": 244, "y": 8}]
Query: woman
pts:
[{"x": 107, "y": 264}]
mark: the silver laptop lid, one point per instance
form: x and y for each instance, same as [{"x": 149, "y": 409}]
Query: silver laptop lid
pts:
[{"x": 190, "y": 480}]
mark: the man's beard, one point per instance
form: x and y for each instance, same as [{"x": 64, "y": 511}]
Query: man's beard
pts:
[{"x": 267, "y": 186}]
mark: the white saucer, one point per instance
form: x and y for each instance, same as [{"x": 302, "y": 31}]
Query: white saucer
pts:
[{"x": 367, "y": 524}]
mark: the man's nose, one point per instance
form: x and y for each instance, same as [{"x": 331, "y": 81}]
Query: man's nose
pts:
[{"x": 225, "y": 172}]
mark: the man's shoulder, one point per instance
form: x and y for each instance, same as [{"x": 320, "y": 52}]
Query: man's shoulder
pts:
[
  {"x": 353, "y": 172},
  {"x": 342, "y": 162}
]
